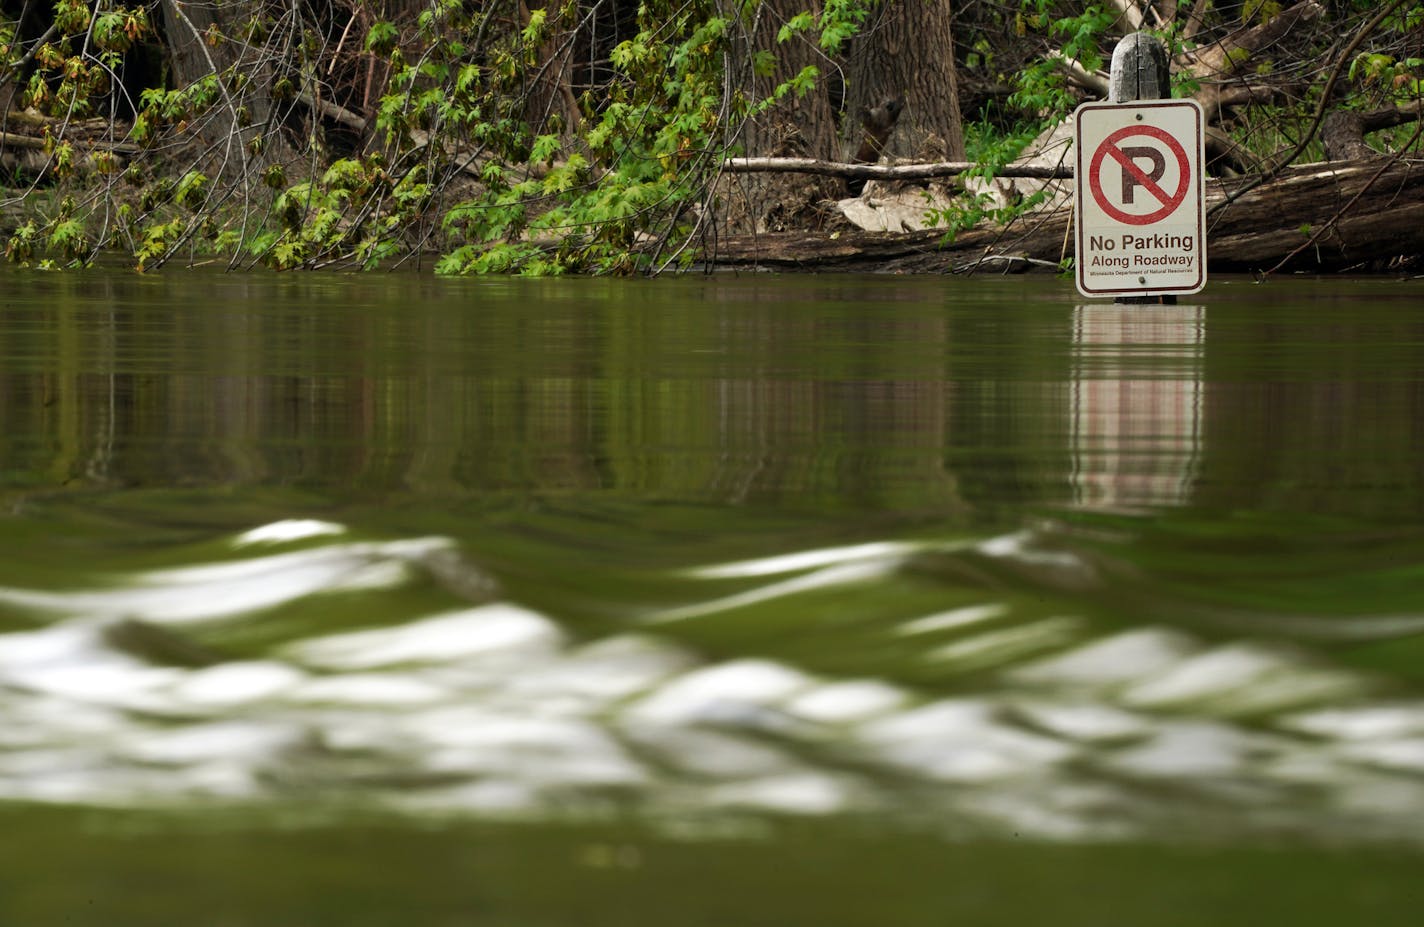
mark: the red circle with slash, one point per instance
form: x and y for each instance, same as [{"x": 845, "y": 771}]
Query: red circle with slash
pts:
[{"x": 1170, "y": 202}]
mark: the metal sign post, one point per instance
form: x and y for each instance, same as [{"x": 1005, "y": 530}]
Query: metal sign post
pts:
[{"x": 1139, "y": 198}]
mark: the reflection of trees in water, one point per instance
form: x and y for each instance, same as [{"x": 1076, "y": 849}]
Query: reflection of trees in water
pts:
[
  {"x": 1318, "y": 415},
  {"x": 612, "y": 394},
  {"x": 860, "y": 418},
  {"x": 759, "y": 392}
]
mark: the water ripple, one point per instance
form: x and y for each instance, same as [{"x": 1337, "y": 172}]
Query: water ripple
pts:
[{"x": 1057, "y": 729}]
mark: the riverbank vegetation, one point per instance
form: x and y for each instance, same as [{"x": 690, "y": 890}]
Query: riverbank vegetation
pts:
[{"x": 608, "y": 136}]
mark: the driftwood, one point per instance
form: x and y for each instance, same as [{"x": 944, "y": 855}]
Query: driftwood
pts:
[
  {"x": 1328, "y": 216},
  {"x": 936, "y": 170},
  {"x": 14, "y": 140},
  {"x": 28, "y": 141}
]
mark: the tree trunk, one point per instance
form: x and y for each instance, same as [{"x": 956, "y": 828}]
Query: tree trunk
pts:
[
  {"x": 240, "y": 131},
  {"x": 797, "y": 126},
  {"x": 550, "y": 103},
  {"x": 907, "y": 52}
]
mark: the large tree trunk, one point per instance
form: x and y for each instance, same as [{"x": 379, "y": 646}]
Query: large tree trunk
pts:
[
  {"x": 550, "y": 105},
  {"x": 240, "y": 132},
  {"x": 797, "y": 126},
  {"x": 1336, "y": 216},
  {"x": 907, "y": 52}
]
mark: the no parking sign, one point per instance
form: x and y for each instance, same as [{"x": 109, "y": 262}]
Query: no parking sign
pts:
[{"x": 1141, "y": 221}]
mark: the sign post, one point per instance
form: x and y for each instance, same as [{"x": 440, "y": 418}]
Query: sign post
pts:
[{"x": 1139, "y": 198}]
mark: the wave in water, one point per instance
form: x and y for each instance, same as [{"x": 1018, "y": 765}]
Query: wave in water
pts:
[{"x": 1057, "y": 729}]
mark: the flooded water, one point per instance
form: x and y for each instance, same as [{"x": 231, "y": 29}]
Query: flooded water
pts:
[{"x": 742, "y": 600}]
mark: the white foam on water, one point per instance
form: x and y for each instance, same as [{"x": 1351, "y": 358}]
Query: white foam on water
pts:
[
  {"x": 847, "y": 702},
  {"x": 1387, "y": 799},
  {"x": 1191, "y": 749},
  {"x": 228, "y": 685},
  {"x": 809, "y": 793},
  {"x": 1312, "y": 766},
  {"x": 954, "y": 618},
  {"x": 368, "y": 690},
  {"x": 124, "y": 786},
  {"x": 713, "y": 754},
  {"x": 1018, "y": 547},
  {"x": 114, "y": 681},
  {"x": 1357, "y": 628},
  {"x": 840, "y": 575},
  {"x": 716, "y": 693},
  {"x": 483, "y": 797},
  {"x": 1085, "y": 721},
  {"x": 590, "y": 678},
  {"x": 288, "y": 530},
  {"x": 496, "y": 710},
  {"x": 992, "y": 648},
  {"x": 809, "y": 560},
  {"x": 58, "y": 644},
  {"x": 351, "y": 728},
  {"x": 337, "y": 559},
  {"x": 1047, "y": 810},
  {"x": 487, "y": 630},
  {"x": 31, "y": 720},
  {"x": 1111, "y": 661},
  {"x": 1273, "y": 692},
  {"x": 54, "y": 760},
  {"x": 1366, "y": 722},
  {"x": 72, "y": 661},
  {"x": 1251, "y": 675},
  {"x": 542, "y": 751},
  {"x": 959, "y": 740},
  {"x": 221, "y": 590},
  {"x": 1404, "y": 755},
  {"x": 249, "y": 743}
]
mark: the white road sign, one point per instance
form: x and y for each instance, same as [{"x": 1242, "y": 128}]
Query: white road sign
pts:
[{"x": 1141, "y": 221}]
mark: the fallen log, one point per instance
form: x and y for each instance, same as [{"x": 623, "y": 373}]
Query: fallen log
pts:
[
  {"x": 933, "y": 170},
  {"x": 14, "y": 140},
  {"x": 1253, "y": 232}
]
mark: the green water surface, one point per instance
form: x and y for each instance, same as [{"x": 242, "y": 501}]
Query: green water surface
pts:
[{"x": 984, "y": 477}]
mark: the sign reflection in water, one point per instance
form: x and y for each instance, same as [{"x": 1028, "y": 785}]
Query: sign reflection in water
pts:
[{"x": 1136, "y": 404}]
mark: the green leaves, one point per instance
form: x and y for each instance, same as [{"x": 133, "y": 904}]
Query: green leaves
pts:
[
  {"x": 381, "y": 38},
  {"x": 544, "y": 150},
  {"x": 563, "y": 178},
  {"x": 1399, "y": 79},
  {"x": 20, "y": 247},
  {"x": 192, "y": 190},
  {"x": 803, "y": 83},
  {"x": 840, "y": 21},
  {"x": 158, "y": 239},
  {"x": 535, "y": 30},
  {"x": 794, "y": 26}
]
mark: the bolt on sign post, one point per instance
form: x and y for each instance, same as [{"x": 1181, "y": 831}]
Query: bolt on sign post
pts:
[{"x": 1139, "y": 198}]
